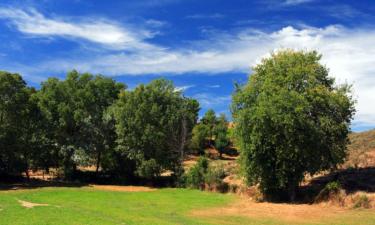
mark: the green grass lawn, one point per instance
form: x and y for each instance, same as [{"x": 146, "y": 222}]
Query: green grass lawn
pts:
[{"x": 164, "y": 206}]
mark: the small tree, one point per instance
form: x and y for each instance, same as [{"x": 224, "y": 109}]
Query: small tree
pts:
[
  {"x": 209, "y": 119},
  {"x": 195, "y": 177},
  {"x": 221, "y": 134},
  {"x": 199, "y": 138},
  {"x": 290, "y": 120}
]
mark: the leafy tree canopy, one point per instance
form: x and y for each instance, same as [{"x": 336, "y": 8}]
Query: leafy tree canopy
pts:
[
  {"x": 153, "y": 124},
  {"x": 290, "y": 120}
]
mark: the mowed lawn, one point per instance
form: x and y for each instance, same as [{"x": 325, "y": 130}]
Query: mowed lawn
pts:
[{"x": 163, "y": 206}]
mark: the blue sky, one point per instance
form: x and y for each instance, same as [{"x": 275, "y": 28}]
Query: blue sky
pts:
[{"x": 203, "y": 46}]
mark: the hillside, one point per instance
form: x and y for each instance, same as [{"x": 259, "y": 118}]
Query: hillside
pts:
[{"x": 361, "y": 149}]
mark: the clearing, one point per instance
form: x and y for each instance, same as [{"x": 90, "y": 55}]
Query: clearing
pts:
[{"x": 140, "y": 205}]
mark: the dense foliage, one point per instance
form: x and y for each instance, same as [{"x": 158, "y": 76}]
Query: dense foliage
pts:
[
  {"x": 205, "y": 176},
  {"x": 75, "y": 113},
  {"x": 19, "y": 125},
  {"x": 211, "y": 131},
  {"x": 221, "y": 134},
  {"x": 154, "y": 124},
  {"x": 199, "y": 138},
  {"x": 88, "y": 120},
  {"x": 290, "y": 120}
]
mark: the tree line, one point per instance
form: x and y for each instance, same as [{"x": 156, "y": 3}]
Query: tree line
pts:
[
  {"x": 290, "y": 119},
  {"x": 88, "y": 120}
]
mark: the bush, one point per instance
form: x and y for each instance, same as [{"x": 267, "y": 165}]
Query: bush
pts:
[
  {"x": 332, "y": 192},
  {"x": 148, "y": 169},
  {"x": 195, "y": 178},
  {"x": 333, "y": 186},
  {"x": 202, "y": 176},
  {"x": 214, "y": 179},
  {"x": 362, "y": 202}
]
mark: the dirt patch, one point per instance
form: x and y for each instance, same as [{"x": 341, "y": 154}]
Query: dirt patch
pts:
[
  {"x": 30, "y": 204},
  {"x": 123, "y": 188},
  {"x": 190, "y": 161},
  {"x": 286, "y": 212}
]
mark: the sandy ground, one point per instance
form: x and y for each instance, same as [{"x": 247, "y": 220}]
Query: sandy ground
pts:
[
  {"x": 123, "y": 188},
  {"x": 30, "y": 204}
]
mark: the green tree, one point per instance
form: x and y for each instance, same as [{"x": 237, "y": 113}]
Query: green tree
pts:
[
  {"x": 199, "y": 138},
  {"x": 221, "y": 134},
  {"x": 21, "y": 126},
  {"x": 290, "y": 120},
  {"x": 14, "y": 97},
  {"x": 209, "y": 119},
  {"x": 75, "y": 109},
  {"x": 153, "y": 124},
  {"x": 99, "y": 127},
  {"x": 195, "y": 177}
]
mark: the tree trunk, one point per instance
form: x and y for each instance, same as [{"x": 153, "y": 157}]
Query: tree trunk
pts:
[
  {"x": 98, "y": 163},
  {"x": 292, "y": 192},
  {"x": 69, "y": 165},
  {"x": 27, "y": 174}
]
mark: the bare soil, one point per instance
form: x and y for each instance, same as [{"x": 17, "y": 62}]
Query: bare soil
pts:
[{"x": 30, "y": 204}]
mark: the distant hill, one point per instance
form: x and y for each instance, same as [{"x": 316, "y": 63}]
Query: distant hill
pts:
[{"x": 361, "y": 149}]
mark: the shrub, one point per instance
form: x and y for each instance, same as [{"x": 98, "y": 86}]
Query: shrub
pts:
[
  {"x": 330, "y": 192},
  {"x": 195, "y": 178},
  {"x": 148, "y": 169},
  {"x": 333, "y": 186},
  {"x": 202, "y": 176},
  {"x": 362, "y": 202},
  {"x": 214, "y": 179}
]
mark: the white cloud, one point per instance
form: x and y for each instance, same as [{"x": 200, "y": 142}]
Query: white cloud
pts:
[
  {"x": 348, "y": 53},
  {"x": 95, "y": 30}
]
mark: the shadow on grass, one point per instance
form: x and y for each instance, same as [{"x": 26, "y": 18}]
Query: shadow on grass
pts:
[
  {"x": 80, "y": 179},
  {"x": 20, "y": 183}
]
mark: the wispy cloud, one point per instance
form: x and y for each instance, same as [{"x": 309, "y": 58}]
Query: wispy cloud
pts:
[
  {"x": 156, "y": 23},
  {"x": 296, "y": 2},
  {"x": 184, "y": 88},
  {"x": 95, "y": 30},
  {"x": 209, "y": 100},
  {"x": 343, "y": 11},
  {"x": 206, "y": 16}
]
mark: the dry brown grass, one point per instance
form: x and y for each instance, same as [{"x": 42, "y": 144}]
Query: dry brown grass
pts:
[
  {"x": 361, "y": 150},
  {"x": 123, "y": 188},
  {"x": 292, "y": 213}
]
